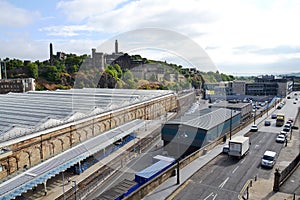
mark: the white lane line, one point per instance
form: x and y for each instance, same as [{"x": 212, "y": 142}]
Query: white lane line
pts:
[
  {"x": 224, "y": 182},
  {"x": 256, "y": 146},
  {"x": 208, "y": 196},
  {"x": 215, "y": 196},
  {"x": 243, "y": 160},
  {"x": 235, "y": 169}
]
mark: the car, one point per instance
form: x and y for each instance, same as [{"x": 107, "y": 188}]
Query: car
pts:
[
  {"x": 287, "y": 127},
  {"x": 225, "y": 149},
  {"x": 267, "y": 123},
  {"x": 254, "y": 128},
  {"x": 279, "y": 107},
  {"x": 274, "y": 115},
  {"x": 268, "y": 159},
  {"x": 280, "y": 138},
  {"x": 283, "y": 133}
]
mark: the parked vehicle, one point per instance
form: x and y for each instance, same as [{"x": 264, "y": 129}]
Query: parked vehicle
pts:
[
  {"x": 254, "y": 128},
  {"x": 268, "y": 159},
  {"x": 280, "y": 138},
  {"x": 239, "y": 146},
  {"x": 283, "y": 133},
  {"x": 287, "y": 127}
]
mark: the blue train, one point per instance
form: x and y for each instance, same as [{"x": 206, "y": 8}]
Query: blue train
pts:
[{"x": 126, "y": 187}]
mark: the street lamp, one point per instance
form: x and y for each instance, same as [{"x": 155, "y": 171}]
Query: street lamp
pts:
[
  {"x": 230, "y": 124},
  {"x": 63, "y": 185},
  {"x": 75, "y": 188},
  {"x": 178, "y": 154},
  {"x": 254, "y": 114}
]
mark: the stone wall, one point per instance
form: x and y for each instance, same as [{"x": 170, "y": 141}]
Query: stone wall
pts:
[{"x": 30, "y": 152}]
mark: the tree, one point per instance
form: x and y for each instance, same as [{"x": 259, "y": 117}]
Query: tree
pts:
[
  {"x": 129, "y": 79},
  {"x": 52, "y": 74},
  {"x": 119, "y": 70},
  {"x": 33, "y": 70}
]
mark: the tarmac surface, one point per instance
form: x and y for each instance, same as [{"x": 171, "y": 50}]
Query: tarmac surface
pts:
[{"x": 261, "y": 188}]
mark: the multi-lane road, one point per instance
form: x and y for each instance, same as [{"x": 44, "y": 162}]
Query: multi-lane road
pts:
[{"x": 224, "y": 177}]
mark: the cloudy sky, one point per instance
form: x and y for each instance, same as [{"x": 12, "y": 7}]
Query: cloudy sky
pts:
[{"x": 241, "y": 37}]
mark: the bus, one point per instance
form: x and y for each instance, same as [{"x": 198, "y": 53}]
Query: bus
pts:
[{"x": 280, "y": 120}]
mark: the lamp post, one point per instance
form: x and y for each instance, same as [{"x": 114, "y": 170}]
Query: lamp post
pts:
[
  {"x": 230, "y": 124},
  {"x": 254, "y": 114},
  {"x": 63, "y": 185},
  {"x": 178, "y": 159},
  {"x": 75, "y": 189}
]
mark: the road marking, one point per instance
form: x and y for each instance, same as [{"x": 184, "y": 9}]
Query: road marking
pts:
[
  {"x": 243, "y": 160},
  {"x": 235, "y": 169},
  {"x": 211, "y": 194},
  {"x": 215, "y": 197},
  {"x": 256, "y": 146},
  {"x": 211, "y": 171},
  {"x": 224, "y": 182}
]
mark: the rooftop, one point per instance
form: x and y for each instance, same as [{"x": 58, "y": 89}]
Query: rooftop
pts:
[{"x": 38, "y": 110}]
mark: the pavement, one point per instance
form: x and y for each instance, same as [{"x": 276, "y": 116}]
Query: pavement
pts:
[{"x": 261, "y": 189}]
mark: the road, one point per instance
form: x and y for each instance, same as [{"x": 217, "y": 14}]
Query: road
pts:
[{"x": 224, "y": 177}]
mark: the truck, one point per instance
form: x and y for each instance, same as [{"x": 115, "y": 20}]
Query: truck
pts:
[
  {"x": 280, "y": 120},
  {"x": 239, "y": 146}
]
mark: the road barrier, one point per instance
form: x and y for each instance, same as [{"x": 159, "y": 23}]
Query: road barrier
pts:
[
  {"x": 244, "y": 193},
  {"x": 281, "y": 177}
]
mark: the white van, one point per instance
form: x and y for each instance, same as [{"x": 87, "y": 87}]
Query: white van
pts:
[{"x": 268, "y": 159}]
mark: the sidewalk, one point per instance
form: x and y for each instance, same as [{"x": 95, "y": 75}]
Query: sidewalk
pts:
[
  {"x": 169, "y": 187},
  {"x": 263, "y": 188}
]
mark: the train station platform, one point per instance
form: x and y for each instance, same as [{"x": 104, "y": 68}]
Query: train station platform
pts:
[
  {"x": 64, "y": 181},
  {"x": 41, "y": 173}
]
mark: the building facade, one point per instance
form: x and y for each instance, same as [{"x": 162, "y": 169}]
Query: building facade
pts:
[
  {"x": 17, "y": 85},
  {"x": 99, "y": 60}
]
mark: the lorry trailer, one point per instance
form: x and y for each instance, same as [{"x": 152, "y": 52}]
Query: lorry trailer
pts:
[{"x": 239, "y": 146}]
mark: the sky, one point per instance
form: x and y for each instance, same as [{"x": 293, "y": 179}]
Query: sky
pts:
[{"x": 240, "y": 37}]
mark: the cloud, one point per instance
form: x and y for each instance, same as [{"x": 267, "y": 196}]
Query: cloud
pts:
[
  {"x": 12, "y": 16},
  {"x": 39, "y": 49},
  {"x": 282, "y": 49},
  {"x": 121, "y": 16},
  {"x": 78, "y": 10},
  {"x": 66, "y": 31}
]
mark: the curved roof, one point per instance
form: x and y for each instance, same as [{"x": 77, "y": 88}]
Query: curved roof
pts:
[{"x": 21, "y": 113}]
